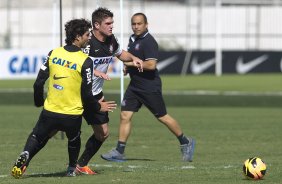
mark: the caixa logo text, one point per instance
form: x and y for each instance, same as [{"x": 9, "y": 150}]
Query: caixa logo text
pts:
[{"x": 25, "y": 64}]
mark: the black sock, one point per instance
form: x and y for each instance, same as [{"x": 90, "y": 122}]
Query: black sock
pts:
[
  {"x": 91, "y": 148},
  {"x": 183, "y": 139},
  {"x": 73, "y": 149},
  {"x": 120, "y": 147}
]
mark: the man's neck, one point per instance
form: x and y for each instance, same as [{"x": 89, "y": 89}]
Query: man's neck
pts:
[
  {"x": 99, "y": 36},
  {"x": 75, "y": 43}
]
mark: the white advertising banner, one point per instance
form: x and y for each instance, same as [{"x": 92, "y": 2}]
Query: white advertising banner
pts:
[
  {"x": 21, "y": 63},
  {"x": 25, "y": 63}
]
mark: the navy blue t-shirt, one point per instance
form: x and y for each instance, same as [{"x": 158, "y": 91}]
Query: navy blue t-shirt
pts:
[{"x": 144, "y": 47}]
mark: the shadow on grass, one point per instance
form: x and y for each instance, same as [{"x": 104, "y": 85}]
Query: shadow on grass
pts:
[{"x": 56, "y": 174}]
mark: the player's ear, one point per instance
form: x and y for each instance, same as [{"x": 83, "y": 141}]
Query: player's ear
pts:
[
  {"x": 77, "y": 37},
  {"x": 96, "y": 25}
]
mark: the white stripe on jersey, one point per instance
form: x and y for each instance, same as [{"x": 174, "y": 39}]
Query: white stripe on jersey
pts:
[
  {"x": 43, "y": 67},
  {"x": 118, "y": 51}
]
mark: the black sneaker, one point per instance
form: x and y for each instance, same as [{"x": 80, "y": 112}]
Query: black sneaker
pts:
[
  {"x": 71, "y": 172},
  {"x": 20, "y": 165}
]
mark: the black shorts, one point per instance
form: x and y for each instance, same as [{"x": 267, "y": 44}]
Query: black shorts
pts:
[
  {"x": 154, "y": 101},
  {"x": 49, "y": 121},
  {"x": 93, "y": 117}
]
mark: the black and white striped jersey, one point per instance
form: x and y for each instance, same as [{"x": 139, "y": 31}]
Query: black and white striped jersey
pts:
[{"x": 102, "y": 54}]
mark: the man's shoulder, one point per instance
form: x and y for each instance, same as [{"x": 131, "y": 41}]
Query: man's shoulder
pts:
[
  {"x": 149, "y": 40},
  {"x": 111, "y": 39},
  {"x": 94, "y": 40},
  {"x": 150, "y": 37}
]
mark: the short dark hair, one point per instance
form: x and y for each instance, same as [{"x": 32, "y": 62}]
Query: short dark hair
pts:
[
  {"x": 141, "y": 14},
  {"x": 76, "y": 27},
  {"x": 100, "y": 14}
]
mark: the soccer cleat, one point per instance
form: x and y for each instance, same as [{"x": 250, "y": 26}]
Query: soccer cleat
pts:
[
  {"x": 187, "y": 150},
  {"x": 114, "y": 156},
  {"x": 20, "y": 165},
  {"x": 71, "y": 172},
  {"x": 84, "y": 170}
]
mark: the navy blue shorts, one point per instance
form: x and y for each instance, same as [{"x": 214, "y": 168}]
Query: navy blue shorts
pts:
[
  {"x": 154, "y": 101},
  {"x": 93, "y": 117}
]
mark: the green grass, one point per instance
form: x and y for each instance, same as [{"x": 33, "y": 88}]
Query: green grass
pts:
[
  {"x": 226, "y": 137},
  {"x": 249, "y": 83},
  {"x": 228, "y": 130},
  {"x": 215, "y": 87}
]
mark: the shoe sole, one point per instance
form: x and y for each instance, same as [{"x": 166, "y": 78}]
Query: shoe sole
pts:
[
  {"x": 71, "y": 175},
  {"x": 17, "y": 172},
  {"x": 112, "y": 159}
]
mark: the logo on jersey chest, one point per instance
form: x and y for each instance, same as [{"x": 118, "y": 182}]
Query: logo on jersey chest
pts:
[
  {"x": 58, "y": 87},
  {"x": 64, "y": 63},
  {"x": 137, "y": 46},
  {"x": 111, "y": 48},
  {"x": 101, "y": 60}
]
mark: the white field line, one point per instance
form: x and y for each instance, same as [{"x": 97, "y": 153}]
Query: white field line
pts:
[
  {"x": 173, "y": 92},
  {"x": 164, "y": 167}
]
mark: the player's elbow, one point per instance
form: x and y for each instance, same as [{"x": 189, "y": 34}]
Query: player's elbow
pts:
[{"x": 38, "y": 85}]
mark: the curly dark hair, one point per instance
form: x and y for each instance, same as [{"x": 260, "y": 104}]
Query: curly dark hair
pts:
[
  {"x": 100, "y": 14},
  {"x": 76, "y": 27}
]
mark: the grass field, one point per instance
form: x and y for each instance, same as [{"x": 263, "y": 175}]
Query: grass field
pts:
[
  {"x": 226, "y": 136},
  {"x": 247, "y": 83}
]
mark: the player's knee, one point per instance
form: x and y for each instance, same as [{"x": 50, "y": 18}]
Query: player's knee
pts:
[
  {"x": 125, "y": 117},
  {"x": 34, "y": 137},
  {"x": 122, "y": 115},
  {"x": 102, "y": 136},
  {"x": 101, "y": 132},
  {"x": 75, "y": 140},
  {"x": 163, "y": 118},
  {"x": 105, "y": 136}
]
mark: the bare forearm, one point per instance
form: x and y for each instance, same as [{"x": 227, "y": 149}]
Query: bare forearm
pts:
[
  {"x": 148, "y": 65},
  {"x": 130, "y": 64},
  {"x": 126, "y": 57}
]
